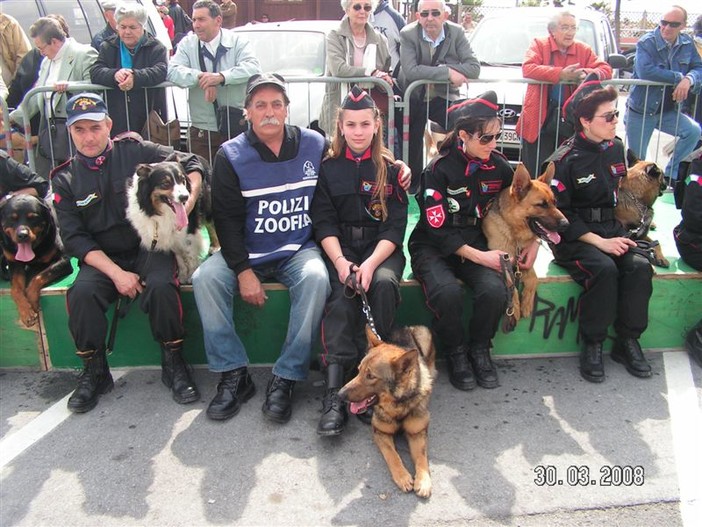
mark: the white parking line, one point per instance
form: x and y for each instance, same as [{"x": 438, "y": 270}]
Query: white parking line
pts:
[
  {"x": 13, "y": 445},
  {"x": 686, "y": 429}
]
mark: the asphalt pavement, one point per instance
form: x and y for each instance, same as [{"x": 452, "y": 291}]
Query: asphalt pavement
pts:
[{"x": 545, "y": 448}]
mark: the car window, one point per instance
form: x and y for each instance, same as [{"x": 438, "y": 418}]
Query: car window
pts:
[
  {"x": 505, "y": 40},
  {"x": 73, "y": 12},
  {"x": 290, "y": 53}
]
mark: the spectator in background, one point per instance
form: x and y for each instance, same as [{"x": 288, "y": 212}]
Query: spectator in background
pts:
[
  {"x": 182, "y": 22},
  {"x": 132, "y": 62},
  {"x": 214, "y": 63},
  {"x": 25, "y": 77},
  {"x": 14, "y": 45},
  {"x": 65, "y": 60},
  {"x": 389, "y": 22},
  {"x": 229, "y": 11},
  {"x": 556, "y": 59},
  {"x": 3, "y": 87},
  {"x": 694, "y": 104},
  {"x": 167, "y": 22},
  {"x": 664, "y": 55},
  {"x": 467, "y": 22},
  {"x": 355, "y": 49},
  {"x": 432, "y": 48},
  {"x": 108, "y": 11}
]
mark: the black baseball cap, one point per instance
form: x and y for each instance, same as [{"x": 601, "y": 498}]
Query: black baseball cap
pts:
[{"x": 86, "y": 105}]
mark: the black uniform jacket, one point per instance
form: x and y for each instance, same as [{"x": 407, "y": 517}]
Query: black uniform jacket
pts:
[
  {"x": 690, "y": 229},
  {"x": 14, "y": 176},
  {"x": 90, "y": 195},
  {"x": 454, "y": 194},
  {"x": 344, "y": 198},
  {"x": 587, "y": 177}
]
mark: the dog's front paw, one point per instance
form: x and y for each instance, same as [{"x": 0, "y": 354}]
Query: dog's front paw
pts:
[
  {"x": 662, "y": 262},
  {"x": 422, "y": 485},
  {"x": 404, "y": 481},
  {"x": 28, "y": 316}
]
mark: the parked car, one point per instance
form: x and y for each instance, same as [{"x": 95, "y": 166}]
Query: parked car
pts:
[
  {"x": 84, "y": 17},
  {"x": 500, "y": 41}
]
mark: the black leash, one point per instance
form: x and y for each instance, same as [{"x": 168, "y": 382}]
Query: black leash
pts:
[
  {"x": 357, "y": 289},
  {"x": 120, "y": 312},
  {"x": 646, "y": 249},
  {"x": 512, "y": 277}
]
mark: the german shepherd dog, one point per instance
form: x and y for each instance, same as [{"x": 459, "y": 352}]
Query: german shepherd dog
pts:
[
  {"x": 638, "y": 190},
  {"x": 516, "y": 218},
  {"x": 33, "y": 250},
  {"x": 397, "y": 380},
  {"x": 156, "y": 209}
]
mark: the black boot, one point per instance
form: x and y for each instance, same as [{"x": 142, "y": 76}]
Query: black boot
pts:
[
  {"x": 693, "y": 343},
  {"x": 278, "y": 404},
  {"x": 591, "y": 365},
  {"x": 627, "y": 351},
  {"x": 234, "y": 388},
  {"x": 334, "y": 414},
  {"x": 459, "y": 368},
  {"x": 175, "y": 373},
  {"x": 483, "y": 368},
  {"x": 95, "y": 380}
]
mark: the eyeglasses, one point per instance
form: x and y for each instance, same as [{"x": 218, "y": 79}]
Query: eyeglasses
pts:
[
  {"x": 674, "y": 25},
  {"x": 568, "y": 29},
  {"x": 609, "y": 116},
  {"x": 365, "y": 7},
  {"x": 488, "y": 138},
  {"x": 434, "y": 12}
]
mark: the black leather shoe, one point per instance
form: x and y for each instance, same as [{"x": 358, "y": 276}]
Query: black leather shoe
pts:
[
  {"x": 175, "y": 373},
  {"x": 627, "y": 351},
  {"x": 334, "y": 414},
  {"x": 693, "y": 343},
  {"x": 278, "y": 404},
  {"x": 234, "y": 388},
  {"x": 459, "y": 369},
  {"x": 591, "y": 365},
  {"x": 483, "y": 368},
  {"x": 94, "y": 380}
]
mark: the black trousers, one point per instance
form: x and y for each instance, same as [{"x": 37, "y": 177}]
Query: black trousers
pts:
[
  {"x": 438, "y": 276},
  {"x": 689, "y": 246},
  {"x": 617, "y": 289},
  {"x": 93, "y": 291},
  {"x": 343, "y": 324}
]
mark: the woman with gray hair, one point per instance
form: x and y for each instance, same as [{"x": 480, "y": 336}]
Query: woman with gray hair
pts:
[
  {"x": 355, "y": 49},
  {"x": 131, "y": 63}
]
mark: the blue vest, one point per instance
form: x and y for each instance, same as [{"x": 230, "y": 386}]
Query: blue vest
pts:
[{"x": 278, "y": 197}]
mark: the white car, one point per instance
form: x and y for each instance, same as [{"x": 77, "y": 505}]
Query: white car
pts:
[{"x": 500, "y": 42}]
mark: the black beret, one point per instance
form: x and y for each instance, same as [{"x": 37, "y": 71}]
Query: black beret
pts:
[
  {"x": 483, "y": 106},
  {"x": 357, "y": 99},
  {"x": 589, "y": 85}
]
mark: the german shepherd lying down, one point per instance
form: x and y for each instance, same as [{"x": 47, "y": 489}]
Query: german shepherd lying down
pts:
[
  {"x": 517, "y": 217},
  {"x": 638, "y": 190},
  {"x": 397, "y": 380}
]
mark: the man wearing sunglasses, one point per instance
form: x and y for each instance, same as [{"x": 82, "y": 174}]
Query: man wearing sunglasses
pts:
[
  {"x": 431, "y": 48},
  {"x": 665, "y": 55}
]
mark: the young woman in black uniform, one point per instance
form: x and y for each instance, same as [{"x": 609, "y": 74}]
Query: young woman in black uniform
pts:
[
  {"x": 617, "y": 282},
  {"x": 448, "y": 242},
  {"x": 359, "y": 214}
]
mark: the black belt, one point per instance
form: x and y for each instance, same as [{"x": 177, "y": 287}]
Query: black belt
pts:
[
  {"x": 596, "y": 214},
  {"x": 457, "y": 220},
  {"x": 357, "y": 234}
]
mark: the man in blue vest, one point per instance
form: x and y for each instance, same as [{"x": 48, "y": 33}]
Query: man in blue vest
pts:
[{"x": 262, "y": 186}]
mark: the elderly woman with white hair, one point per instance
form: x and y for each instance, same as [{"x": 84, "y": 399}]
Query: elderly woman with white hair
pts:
[
  {"x": 355, "y": 49},
  {"x": 132, "y": 62}
]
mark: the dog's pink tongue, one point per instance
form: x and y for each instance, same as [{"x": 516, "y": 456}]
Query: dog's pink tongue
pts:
[
  {"x": 181, "y": 215},
  {"x": 24, "y": 252},
  {"x": 358, "y": 408},
  {"x": 554, "y": 237}
]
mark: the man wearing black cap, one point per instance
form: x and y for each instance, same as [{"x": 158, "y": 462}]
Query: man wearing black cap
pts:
[
  {"x": 90, "y": 198},
  {"x": 262, "y": 187}
]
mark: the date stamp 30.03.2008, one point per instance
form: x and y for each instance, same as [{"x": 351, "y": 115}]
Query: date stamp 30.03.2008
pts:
[{"x": 582, "y": 476}]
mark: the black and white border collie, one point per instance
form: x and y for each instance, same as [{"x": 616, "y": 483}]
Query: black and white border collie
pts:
[{"x": 156, "y": 208}]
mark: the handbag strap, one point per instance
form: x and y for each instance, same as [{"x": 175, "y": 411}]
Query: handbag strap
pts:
[
  {"x": 215, "y": 64},
  {"x": 52, "y": 113}
]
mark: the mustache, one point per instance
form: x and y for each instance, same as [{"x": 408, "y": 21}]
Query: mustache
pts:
[{"x": 269, "y": 120}]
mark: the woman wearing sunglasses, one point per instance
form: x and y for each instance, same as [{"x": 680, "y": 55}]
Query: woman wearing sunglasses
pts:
[
  {"x": 448, "y": 243},
  {"x": 594, "y": 249},
  {"x": 355, "y": 49}
]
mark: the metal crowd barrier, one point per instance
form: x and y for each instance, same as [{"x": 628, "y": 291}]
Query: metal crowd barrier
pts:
[{"x": 306, "y": 104}]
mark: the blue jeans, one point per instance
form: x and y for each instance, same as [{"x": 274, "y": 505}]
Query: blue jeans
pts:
[
  {"x": 639, "y": 129},
  {"x": 215, "y": 285}
]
